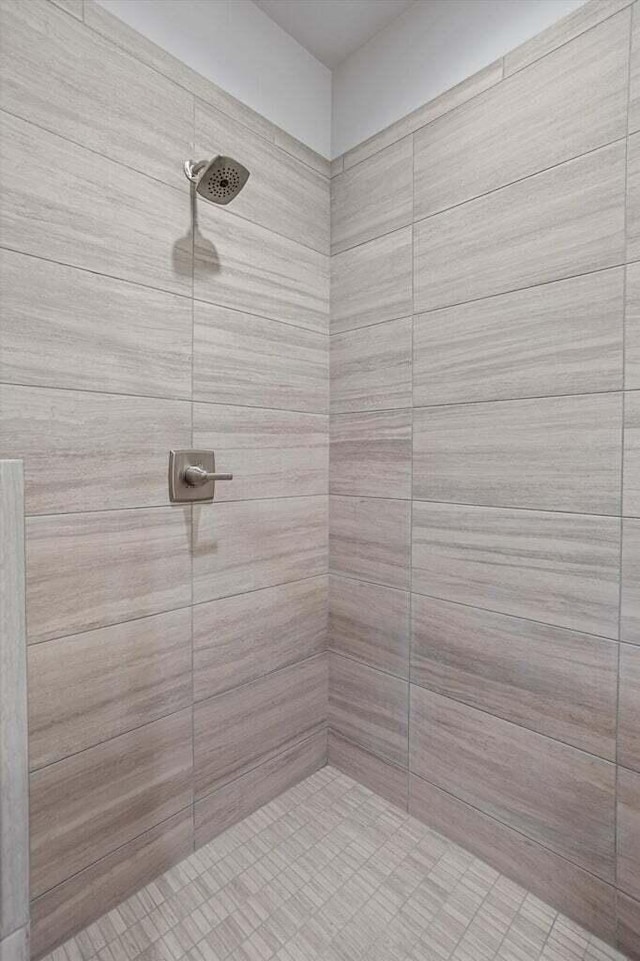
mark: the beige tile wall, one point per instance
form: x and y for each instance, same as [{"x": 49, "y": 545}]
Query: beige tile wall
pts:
[
  {"x": 177, "y": 659},
  {"x": 485, "y": 467}
]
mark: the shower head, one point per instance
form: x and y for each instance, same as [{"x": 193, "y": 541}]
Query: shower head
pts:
[{"x": 219, "y": 180}]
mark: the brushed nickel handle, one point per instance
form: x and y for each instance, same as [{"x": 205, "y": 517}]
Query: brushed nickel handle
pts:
[{"x": 197, "y": 476}]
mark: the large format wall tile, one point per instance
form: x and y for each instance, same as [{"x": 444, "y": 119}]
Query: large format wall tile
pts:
[
  {"x": 385, "y": 779},
  {"x": 632, "y": 327},
  {"x": 552, "y": 453},
  {"x": 634, "y": 73},
  {"x": 631, "y": 501},
  {"x": 235, "y": 731},
  {"x": 629, "y": 710},
  {"x": 218, "y": 811},
  {"x": 630, "y": 598},
  {"x": 247, "y": 545},
  {"x": 369, "y": 708},
  {"x": 100, "y": 887},
  {"x": 579, "y": 103},
  {"x": 67, "y": 79},
  {"x": 373, "y": 198},
  {"x": 550, "y": 792},
  {"x": 580, "y": 20},
  {"x": 370, "y": 623},
  {"x": 371, "y": 367},
  {"x": 92, "y": 570},
  {"x": 628, "y": 926},
  {"x": 282, "y": 193},
  {"x": 66, "y": 214},
  {"x": 94, "y": 686},
  {"x": 371, "y": 453},
  {"x": 237, "y": 639},
  {"x": 565, "y": 221},
  {"x": 87, "y": 805},
  {"x": 241, "y": 359},
  {"x": 88, "y": 451},
  {"x": 633, "y": 197},
  {"x": 271, "y": 453},
  {"x": 242, "y": 265},
  {"x": 558, "y": 338},
  {"x": 552, "y": 567},
  {"x": 628, "y": 875},
  {"x": 370, "y": 538},
  {"x": 569, "y": 888},
  {"x": 372, "y": 282},
  {"x": 449, "y": 100},
  {"x": 550, "y": 680},
  {"x": 82, "y": 330}
]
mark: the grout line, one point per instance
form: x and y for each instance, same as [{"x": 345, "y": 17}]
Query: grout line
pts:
[
  {"x": 481, "y": 507},
  {"x": 173, "y": 610},
  {"x": 473, "y": 607},
  {"x": 193, "y": 216}
]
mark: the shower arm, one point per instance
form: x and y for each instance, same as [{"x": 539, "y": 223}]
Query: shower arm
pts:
[{"x": 192, "y": 168}]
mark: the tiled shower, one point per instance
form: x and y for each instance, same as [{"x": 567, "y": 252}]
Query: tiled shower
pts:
[{"x": 421, "y": 363}]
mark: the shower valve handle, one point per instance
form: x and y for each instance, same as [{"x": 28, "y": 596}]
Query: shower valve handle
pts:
[{"x": 197, "y": 476}]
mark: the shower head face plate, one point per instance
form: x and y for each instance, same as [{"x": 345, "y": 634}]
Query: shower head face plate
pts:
[{"x": 222, "y": 180}]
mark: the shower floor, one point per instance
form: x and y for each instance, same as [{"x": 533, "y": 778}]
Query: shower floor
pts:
[{"x": 330, "y": 871}]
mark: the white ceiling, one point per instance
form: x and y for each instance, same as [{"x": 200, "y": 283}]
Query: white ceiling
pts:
[{"x": 332, "y": 29}]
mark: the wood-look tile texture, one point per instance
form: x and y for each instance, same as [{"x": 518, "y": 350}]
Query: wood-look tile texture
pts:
[
  {"x": 371, "y": 367},
  {"x": 548, "y": 791},
  {"x": 557, "y": 682},
  {"x": 85, "y": 806},
  {"x": 559, "y": 568},
  {"x": 373, "y": 198},
  {"x": 70, "y": 438},
  {"x": 244, "y": 266},
  {"x": 371, "y": 453},
  {"x": 370, "y": 623},
  {"x": 631, "y": 488},
  {"x": 233, "y": 802},
  {"x": 14, "y": 788},
  {"x": 114, "y": 566},
  {"x": 369, "y": 708},
  {"x": 629, "y": 709},
  {"x": 372, "y": 282},
  {"x": 628, "y": 874},
  {"x": 628, "y": 910},
  {"x": 586, "y": 898},
  {"x": 246, "y": 545},
  {"x": 552, "y": 453},
  {"x": 630, "y": 598},
  {"x": 121, "y": 293},
  {"x": 237, "y": 639},
  {"x": 246, "y": 726},
  {"x": 44, "y": 54},
  {"x": 83, "y": 331},
  {"x": 100, "y": 887},
  {"x": 142, "y": 244},
  {"x": 369, "y": 538},
  {"x": 271, "y": 453},
  {"x": 285, "y": 196},
  {"x": 634, "y": 72},
  {"x": 564, "y": 221},
  {"x": 633, "y": 197},
  {"x": 449, "y": 100},
  {"x": 384, "y": 779},
  {"x": 241, "y": 359},
  {"x": 580, "y": 104},
  {"x": 559, "y": 338},
  {"x": 577, "y": 22},
  {"x": 632, "y": 327},
  {"x": 91, "y": 687}
]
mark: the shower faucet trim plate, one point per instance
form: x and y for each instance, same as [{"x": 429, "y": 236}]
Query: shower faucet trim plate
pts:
[{"x": 192, "y": 476}]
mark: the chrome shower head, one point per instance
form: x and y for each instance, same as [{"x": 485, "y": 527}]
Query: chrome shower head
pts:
[{"x": 219, "y": 180}]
